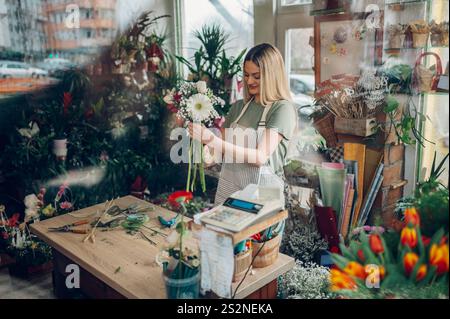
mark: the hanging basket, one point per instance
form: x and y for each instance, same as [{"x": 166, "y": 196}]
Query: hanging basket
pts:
[
  {"x": 425, "y": 79},
  {"x": 325, "y": 127},
  {"x": 268, "y": 254},
  {"x": 396, "y": 41}
]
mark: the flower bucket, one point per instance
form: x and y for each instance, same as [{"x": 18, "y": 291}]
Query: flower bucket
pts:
[
  {"x": 241, "y": 263},
  {"x": 30, "y": 271},
  {"x": 60, "y": 148},
  {"x": 420, "y": 40},
  {"x": 184, "y": 288},
  {"x": 268, "y": 254}
]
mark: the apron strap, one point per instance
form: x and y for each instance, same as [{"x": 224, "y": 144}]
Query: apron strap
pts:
[{"x": 244, "y": 109}]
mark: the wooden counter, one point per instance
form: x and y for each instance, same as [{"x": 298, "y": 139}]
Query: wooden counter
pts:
[{"x": 119, "y": 265}]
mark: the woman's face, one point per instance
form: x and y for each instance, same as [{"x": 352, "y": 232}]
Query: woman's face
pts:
[{"x": 252, "y": 77}]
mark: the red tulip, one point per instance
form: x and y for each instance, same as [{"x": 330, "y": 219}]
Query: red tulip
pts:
[
  {"x": 172, "y": 199},
  {"x": 361, "y": 255},
  {"x": 426, "y": 240},
  {"x": 409, "y": 262},
  {"x": 376, "y": 244},
  {"x": 408, "y": 237}
]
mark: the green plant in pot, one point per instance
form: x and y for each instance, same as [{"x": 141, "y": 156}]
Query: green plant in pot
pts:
[
  {"x": 180, "y": 260},
  {"x": 212, "y": 64}
]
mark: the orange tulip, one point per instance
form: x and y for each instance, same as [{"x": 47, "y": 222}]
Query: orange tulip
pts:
[
  {"x": 356, "y": 270},
  {"x": 409, "y": 262},
  {"x": 421, "y": 273},
  {"x": 341, "y": 281},
  {"x": 439, "y": 258},
  {"x": 408, "y": 237},
  {"x": 375, "y": 243},
  {"x": 412, "y": 218},
  {"x": 382, "y": 272}
]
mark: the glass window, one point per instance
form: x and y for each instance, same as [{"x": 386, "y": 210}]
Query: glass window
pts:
[
  {"x": 295, "y": 2},
  {"x": 299, "y": 63},
  {"x": 236, "y": 17}
]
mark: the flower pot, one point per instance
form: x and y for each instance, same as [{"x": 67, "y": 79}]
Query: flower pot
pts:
[
  {"x": 420, "y": 40},
  {"x": 60, "y": 148},
  {"x": 241, "y": 263},
  {"x": 266, "y": 255},
  {"x": 396, "y": 41},
  {"x": 184, "y": 288},
  {"x": 29, "y": 271}
]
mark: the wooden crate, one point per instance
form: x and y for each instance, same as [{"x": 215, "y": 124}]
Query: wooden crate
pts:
[{"x": 358, "y": 127}]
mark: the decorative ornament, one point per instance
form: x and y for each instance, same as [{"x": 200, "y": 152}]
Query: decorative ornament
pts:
[{"x": 340, "y": 35}]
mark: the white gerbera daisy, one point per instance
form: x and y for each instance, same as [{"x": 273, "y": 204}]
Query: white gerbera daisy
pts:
[{"x": 200, "y": 107}]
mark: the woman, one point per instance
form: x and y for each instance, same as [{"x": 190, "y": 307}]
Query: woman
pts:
[{"x": 266, "y": 110}]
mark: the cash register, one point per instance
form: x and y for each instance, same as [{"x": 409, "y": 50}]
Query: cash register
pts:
[{"x": 244, "y": 208}]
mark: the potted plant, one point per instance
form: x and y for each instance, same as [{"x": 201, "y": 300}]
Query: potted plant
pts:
[
  {"x": 212, "y": 65},
  {"x": 420, "y": 31},
  {"x": 180, "y": 259}
]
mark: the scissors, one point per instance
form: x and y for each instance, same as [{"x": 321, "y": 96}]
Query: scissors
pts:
[{"x": 69, "y": 229}]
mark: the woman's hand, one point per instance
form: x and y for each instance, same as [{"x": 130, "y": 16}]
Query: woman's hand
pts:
[{"x": 200, "y": 133}]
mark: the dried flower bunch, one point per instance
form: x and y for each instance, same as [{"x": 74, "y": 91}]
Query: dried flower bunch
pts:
[
  {"x": 362, "y": 101},
  {"x": 419, "y": 26}
]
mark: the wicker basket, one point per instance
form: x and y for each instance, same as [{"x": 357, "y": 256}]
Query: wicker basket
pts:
[
  {"x": 241, "y": 263},
  {"x": 325, "y": 127},
  {"x": 425, "y": 79},
  {"x": 420, "y": 40},
  {"x": 268, "y": 254}
]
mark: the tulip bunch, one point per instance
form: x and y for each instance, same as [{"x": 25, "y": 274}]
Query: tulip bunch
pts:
[{"x": 368, "y": 267}]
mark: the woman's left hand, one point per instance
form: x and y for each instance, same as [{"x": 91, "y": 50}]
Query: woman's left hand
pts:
[{"x": 200, "y": 133}]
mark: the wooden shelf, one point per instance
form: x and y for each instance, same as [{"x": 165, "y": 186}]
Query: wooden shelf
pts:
[
  {"x": 253, "y": 229},
  {"x": 326, "y": 12}
]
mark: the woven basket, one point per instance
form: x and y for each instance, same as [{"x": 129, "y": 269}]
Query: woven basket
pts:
[
  {"x": 325, "y": 127},
  {"x": 268, "y": 254},
  {"x": 241, "y": 263},
  {"x": 425, "y": 79},
  {"x": 420, "y": 40}
]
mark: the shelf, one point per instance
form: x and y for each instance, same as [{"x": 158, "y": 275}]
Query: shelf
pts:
[
  {"x": 434, "y": 93},
  {"x": 421, "y": 48},
  {"x": 405, "y": 2},
  {"x": 326, "y": 11}
]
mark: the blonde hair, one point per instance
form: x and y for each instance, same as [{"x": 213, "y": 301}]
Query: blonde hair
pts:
[{"x": 273, "y": 84}]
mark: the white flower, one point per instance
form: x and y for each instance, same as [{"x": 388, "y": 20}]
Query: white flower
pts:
[
  {"x": 201, "y": 87},
  {"x": 31, "y": 201},
  {"x": 155, "y": 60},
  {"x": 169, "y": 97},
  {"x": 30, "y": 214},
  {"x": 172, "y": 239},
  {"x": 221, "y": 101},
  {"x": 29, "y": 132},
  {"x": 200, "y": 107}
]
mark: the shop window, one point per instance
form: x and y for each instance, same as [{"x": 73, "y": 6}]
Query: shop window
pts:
[
  {"x": 235, "y": 17},
  {"x": 295, "y": 2},
  {"x": 299, "y": 64}
]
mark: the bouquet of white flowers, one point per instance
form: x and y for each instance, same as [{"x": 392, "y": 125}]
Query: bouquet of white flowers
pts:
[{"x": 195, "y": 102}]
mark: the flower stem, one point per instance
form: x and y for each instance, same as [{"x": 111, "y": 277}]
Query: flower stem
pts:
[
  {"x": 190, "y": 167},
  {"x": 202, "y": 171}
]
